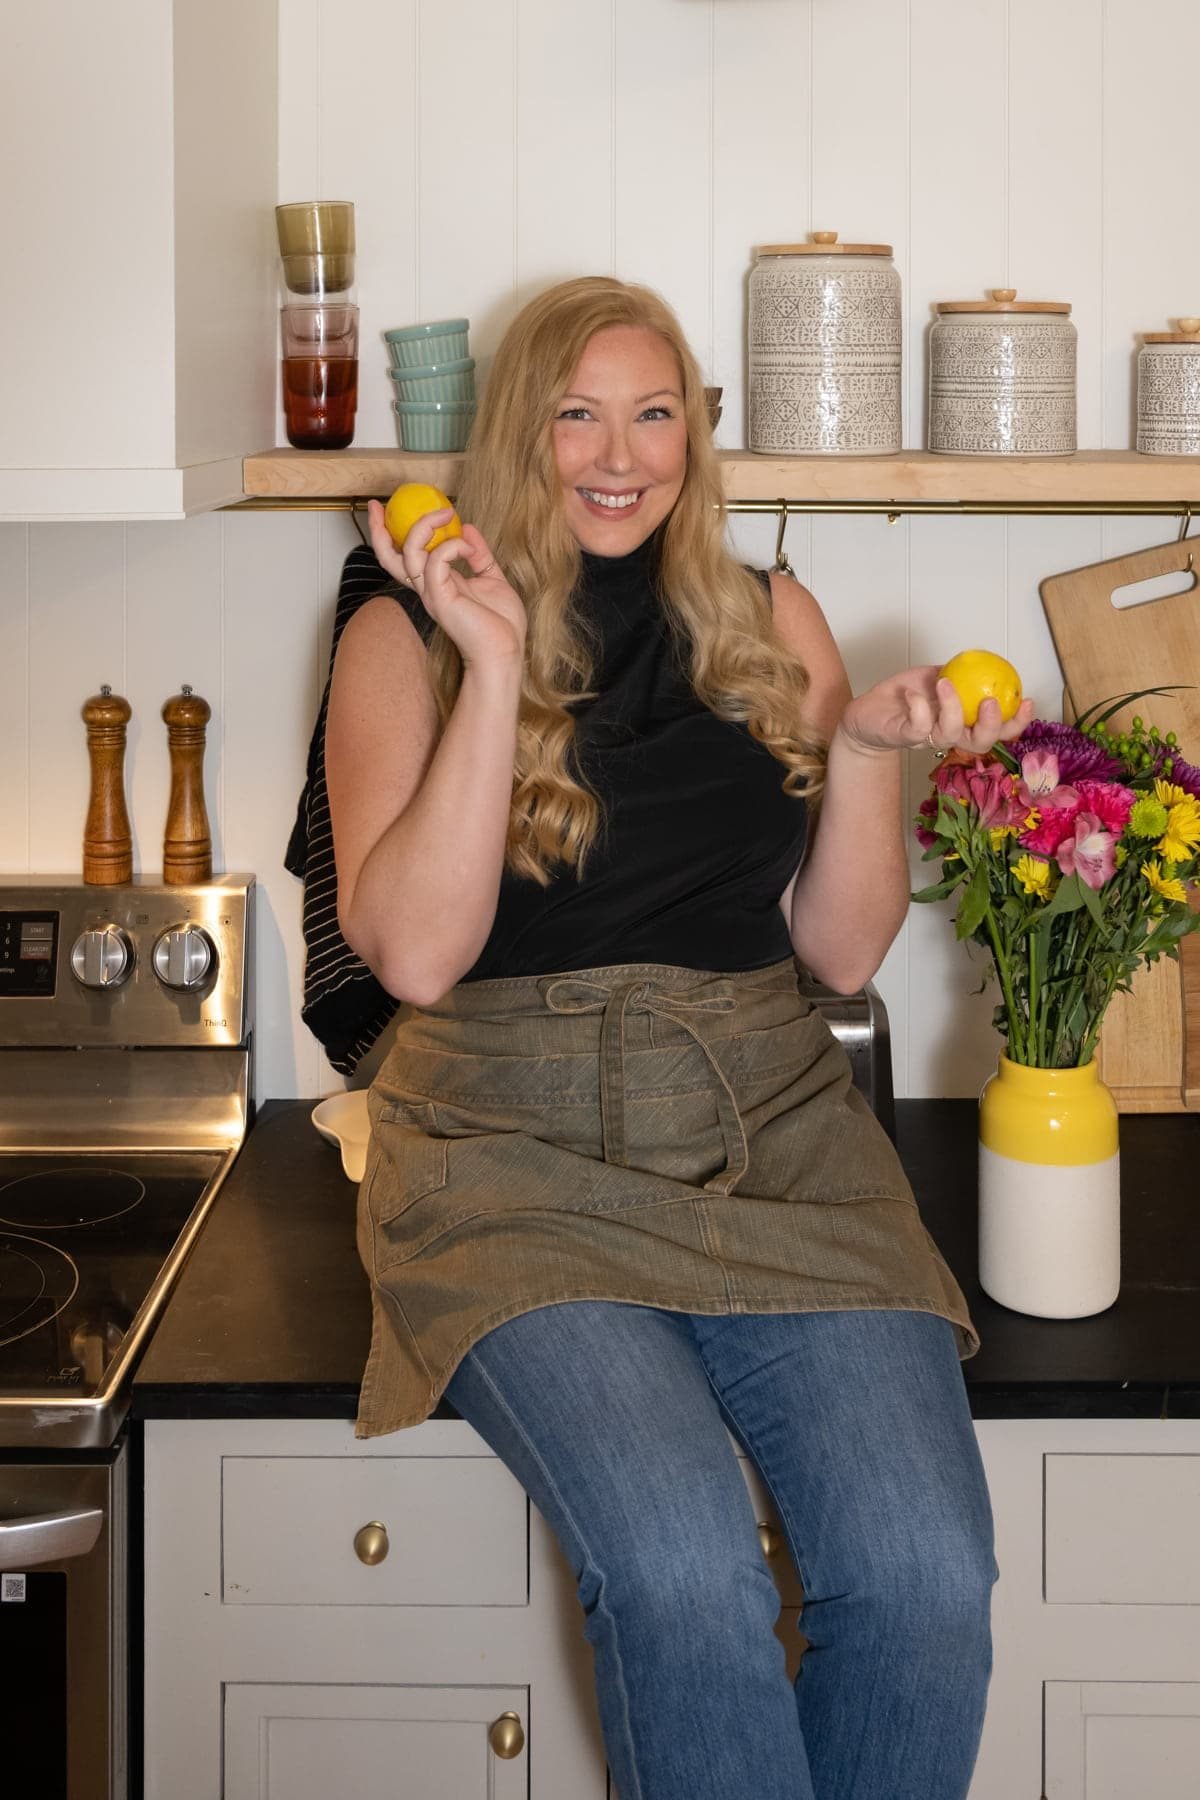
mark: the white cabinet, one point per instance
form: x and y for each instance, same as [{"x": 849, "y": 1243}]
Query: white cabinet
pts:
[
  {"x": 1095, "y": 1693},
  {"x": 272, "y": 1644},
  {"x": 138, "y": 309},
  {"x": 270, "y": 1641}
]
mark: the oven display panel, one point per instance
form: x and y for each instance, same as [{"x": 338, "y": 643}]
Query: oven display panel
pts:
[{"x": 28, "y": 954}]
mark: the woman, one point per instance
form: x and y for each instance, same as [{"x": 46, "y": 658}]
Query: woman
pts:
[{"x": 621, "y": 1192}]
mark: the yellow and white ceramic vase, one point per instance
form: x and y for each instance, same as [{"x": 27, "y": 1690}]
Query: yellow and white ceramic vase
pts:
[{"x": 1049, "y": 1191}]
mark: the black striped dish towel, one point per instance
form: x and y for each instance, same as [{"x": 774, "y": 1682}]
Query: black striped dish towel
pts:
[{"x": 343, "y": 1004}]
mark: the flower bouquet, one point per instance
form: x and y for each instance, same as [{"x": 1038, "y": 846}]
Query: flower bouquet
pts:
[{"x": 1074, "y": 853}]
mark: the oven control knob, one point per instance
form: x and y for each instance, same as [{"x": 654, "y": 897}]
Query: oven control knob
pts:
[
  {"x": 184, "y": 957},
  {"x": 102, "y": 957}
]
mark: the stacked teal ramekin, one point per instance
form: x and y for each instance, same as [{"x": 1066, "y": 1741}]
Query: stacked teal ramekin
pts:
[{"x": 435, "y": 384}]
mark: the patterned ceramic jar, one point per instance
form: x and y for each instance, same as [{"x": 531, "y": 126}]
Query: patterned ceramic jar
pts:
[
  {"x": 825, "y": 349},
  {"x": 1168, "y": 404},
  {"x": 1002, "y": 377}
]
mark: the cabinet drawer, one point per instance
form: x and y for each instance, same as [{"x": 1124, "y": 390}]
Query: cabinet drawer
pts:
[
  {"x": 456, "y": 1531},
  {"x": 294, "y": 1742},
  {"x": 1123, "y": 1530},
  {"x": 1107, "y": 1740}
]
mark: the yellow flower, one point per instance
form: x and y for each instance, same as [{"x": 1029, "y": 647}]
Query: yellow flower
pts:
[
  {"x": 1183, "y": 830},
  {"x": 1033, "y": 875},
  {"x": 1165, "y": 885},
  {"x": 998, "y": 833},
  {"x": 1168, "y": 793}
]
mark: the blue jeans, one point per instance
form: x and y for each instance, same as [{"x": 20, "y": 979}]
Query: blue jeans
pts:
[{"x": 613, "y": 1418}]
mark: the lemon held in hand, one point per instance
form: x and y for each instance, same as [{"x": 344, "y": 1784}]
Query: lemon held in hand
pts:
[
  {"x": 410, "y": 502},
  {"x": 979, "y": 675}
]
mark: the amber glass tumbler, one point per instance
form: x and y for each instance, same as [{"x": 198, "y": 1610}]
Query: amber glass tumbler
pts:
[{"x": 320, "y": 397}]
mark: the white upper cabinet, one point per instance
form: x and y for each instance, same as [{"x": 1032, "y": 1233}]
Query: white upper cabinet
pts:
[{"x": 139, "y": 150}]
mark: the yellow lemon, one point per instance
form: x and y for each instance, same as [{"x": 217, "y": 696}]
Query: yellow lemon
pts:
[
  {"x": 410, "y": 502},
  {"x": 979, "y": 675}
]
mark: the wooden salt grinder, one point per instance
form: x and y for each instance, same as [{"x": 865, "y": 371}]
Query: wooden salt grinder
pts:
[
  {"x": 187, "y": 843},
  {"x": 107, "y": 841}
]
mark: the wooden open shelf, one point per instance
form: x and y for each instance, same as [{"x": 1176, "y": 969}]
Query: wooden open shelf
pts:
[{"x": 1092, "y": 478}]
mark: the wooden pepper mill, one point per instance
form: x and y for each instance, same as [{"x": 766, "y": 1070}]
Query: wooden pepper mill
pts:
[
  {"x": 187, "y": 843},
  {"x": 107, "y": 841}
]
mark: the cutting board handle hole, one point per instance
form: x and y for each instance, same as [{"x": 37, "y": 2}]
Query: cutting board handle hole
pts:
[{"x": 1138, "y": 593}]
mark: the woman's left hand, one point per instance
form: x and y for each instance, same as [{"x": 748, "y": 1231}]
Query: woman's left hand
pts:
[{"x": 917, "y": 710}]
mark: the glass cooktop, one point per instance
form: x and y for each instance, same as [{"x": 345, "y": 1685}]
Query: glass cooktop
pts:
[{"x": 83, "y": 1239}]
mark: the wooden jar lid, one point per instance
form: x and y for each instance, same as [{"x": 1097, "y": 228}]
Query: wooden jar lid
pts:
[
  {"x": 1003, "y": 300},
  {"x": 824, "y": 243},
  {"x": 1188, "y": 333}
]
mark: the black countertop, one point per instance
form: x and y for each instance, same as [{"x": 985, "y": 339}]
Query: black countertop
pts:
[{"x": 271, "y": 1316}]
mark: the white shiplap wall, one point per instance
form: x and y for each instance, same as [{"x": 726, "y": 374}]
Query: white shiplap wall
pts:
[{"x": 493, "y": 146}]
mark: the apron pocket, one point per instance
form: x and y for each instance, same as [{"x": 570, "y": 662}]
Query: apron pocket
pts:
[{"x": 413, "y": 1164}]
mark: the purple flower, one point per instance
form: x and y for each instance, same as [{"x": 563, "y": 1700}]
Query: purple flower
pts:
[
  {"x": 1184, "y": 774},
  {"x": 1078, "y": 757}
]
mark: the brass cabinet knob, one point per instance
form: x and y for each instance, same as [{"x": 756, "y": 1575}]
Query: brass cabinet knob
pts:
[
  {"x": 506, "y": 1736},
  {"x": 371, "y": 1542},
  {"x": 770, "y": 1539}
]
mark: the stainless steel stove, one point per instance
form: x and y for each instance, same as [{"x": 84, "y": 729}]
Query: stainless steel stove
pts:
[{"x": 126, "y": 1050}]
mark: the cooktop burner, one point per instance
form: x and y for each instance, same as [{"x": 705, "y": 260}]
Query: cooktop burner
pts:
[
  {"x": 36, "y": 1282},
  {"x": 67, "y": 1300},
  {"x": 56, "y": 1199}
]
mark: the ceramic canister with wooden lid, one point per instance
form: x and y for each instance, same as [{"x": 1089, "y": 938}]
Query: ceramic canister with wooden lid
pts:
[
  {"x": 1168, "y": 391},
  {"x": 825, "y": 337},
  {"x": 1002, "y": 377}
]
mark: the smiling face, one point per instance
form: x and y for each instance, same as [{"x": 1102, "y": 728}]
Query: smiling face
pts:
[{"x": 620, "y": 439}]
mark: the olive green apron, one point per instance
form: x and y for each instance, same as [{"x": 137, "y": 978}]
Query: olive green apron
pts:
[{"x": 658, "y": 1135}]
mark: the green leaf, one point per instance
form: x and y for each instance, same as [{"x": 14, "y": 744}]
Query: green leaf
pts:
[
  {"x": 1091, "y": 900},
  {"x": 1067, "y": 897},
  {"x": 940, "y": 890},
  {"x": 973, "y": 910},
  {"x": 1114, "y": 706},
  {"x": 951, "y": 818}
]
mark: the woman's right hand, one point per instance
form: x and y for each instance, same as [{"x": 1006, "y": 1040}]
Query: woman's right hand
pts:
[{"x": 479, "y": 612}]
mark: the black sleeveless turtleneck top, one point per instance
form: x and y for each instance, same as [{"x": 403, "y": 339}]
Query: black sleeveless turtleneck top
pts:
[{"x": 699, "y": 839}]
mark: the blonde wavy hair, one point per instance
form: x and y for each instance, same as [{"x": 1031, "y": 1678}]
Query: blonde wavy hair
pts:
[{"x": 715, "y": 607}]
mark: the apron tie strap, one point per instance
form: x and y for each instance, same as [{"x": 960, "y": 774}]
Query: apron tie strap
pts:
[{"x": 574, "y": 994}]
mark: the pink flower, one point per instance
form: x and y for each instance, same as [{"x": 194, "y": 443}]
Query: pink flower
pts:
[
  {"x": 1039, "y": 771},
  {"x": 927, "y": 810},
  {"x": 1054, "y": 818},
  {"x": 1039, "y": 786},
  {"x": 986, "y": 786},
  {"x": 1109, "y": 801},
  {"x": 1090, "y": 853}
]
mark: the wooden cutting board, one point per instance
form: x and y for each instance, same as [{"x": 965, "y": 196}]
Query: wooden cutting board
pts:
[{"x": 1150, "y": 1046}]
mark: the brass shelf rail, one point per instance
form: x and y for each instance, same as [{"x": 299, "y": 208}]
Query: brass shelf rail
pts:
[{"x": 889, "y": 509}]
